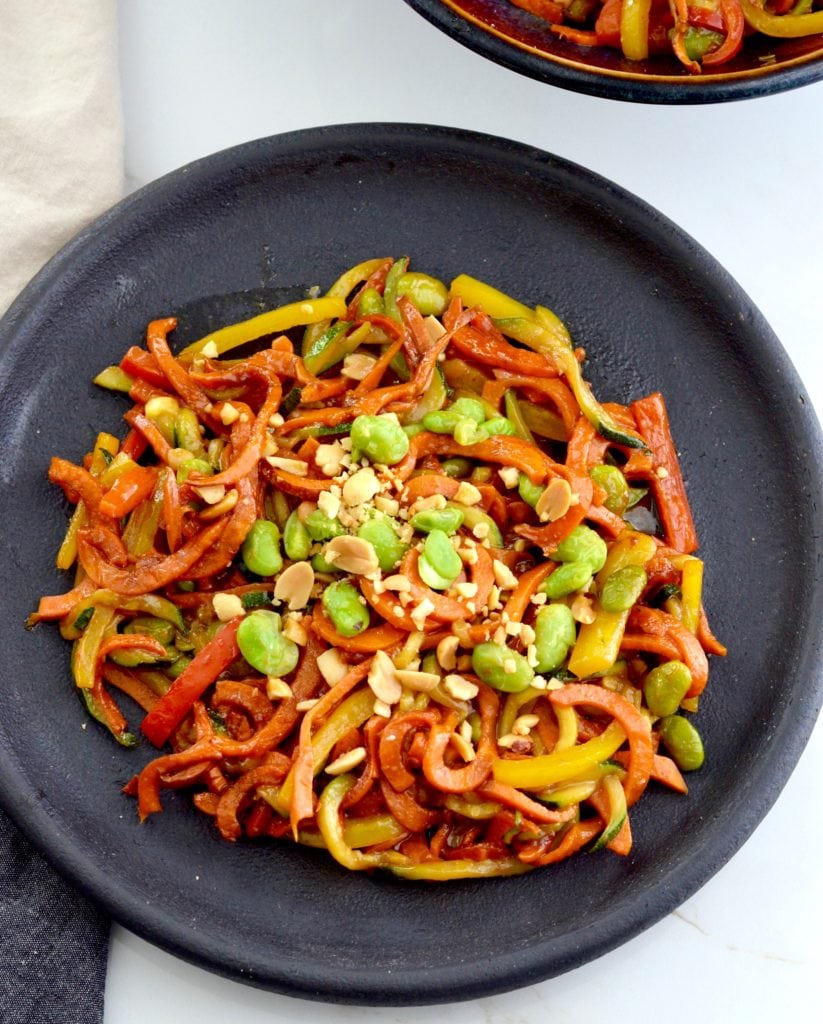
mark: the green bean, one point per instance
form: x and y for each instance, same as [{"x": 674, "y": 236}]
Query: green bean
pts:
[
  {"x": 296, "y": 539},
  {"x": 529, "y": 492},
  {"x": 469, "y": 409},
  {"x": 320, "y": 527},
  {"x": 582, "y": 545},
  {"x": 380, "y": 438},
  {"x": 341, "y": 601},
  {"x": 261, "y": 548},
  {"x": 665, "y": 687},
  {"x": 502, "y": 668},
  {"x": 614, "y": 484},
  {"x": 682, "y": 741},
  {"x": 567, "y": 578},
  {"x": 263, "y": 645},
  {"x": 555, "y": 632},
  {"x": 194, "y": 466},
  {"x": 427, "y": 293},
  {"x": 382, "y": 536},
  {"x": 622, "y": 588},
  {"x": 448, "y": 519},
  {"x": 456, "y": 467},
  {"x": 147, "y": 625},
  {"x": 370, "y": 302},
  {"x": 187, "y": 432},
  {"x": 441, "y": 556}
]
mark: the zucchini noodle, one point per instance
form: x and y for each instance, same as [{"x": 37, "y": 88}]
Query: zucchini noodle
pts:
[{"x": 377, "y": 572}]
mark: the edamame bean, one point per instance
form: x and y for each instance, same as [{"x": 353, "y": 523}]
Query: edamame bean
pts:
[
  {"x": 426, "y": 292},
  {"x": 413, "y": 429},
  {"x": 448, "y": 519},
  {"x": 502, "y": 668},
  {"x": 147, "y": 625},
  {"x": 582, "y": 545},
  {"x": 665, "y": 687},
  {"x": 500, "y": 426},
  {"x": 442, "y": 421},
  {"x": 469, "y": 409},
  {"x": 320, "y": 527},
  {"x": 319, "y": 564},
  {"x": 382, "y": 536},
  {"x": 529, "y": 492},
  {"x": 555, "y": 631},
  {"x": 441, "y": 556},
  {"x": 380, "y": 438},
  {"x": 430, "y": 576},
  {"x": 614, "y": 484},
  {"x": 622, "y": 588},
  {"x": 296, "y": 539},
  {"x": 682, "y": 741},
  {"x": 341, "y": 601},
  {"x": 263, "y": 645},
  {"x": 261, "y": 548},
  {"x": 567, "y": 578}
]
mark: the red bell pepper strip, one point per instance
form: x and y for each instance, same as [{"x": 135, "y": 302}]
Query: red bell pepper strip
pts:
[
  {"x": 127, "y": 492},
  {"x": 733, "y": 25},
  {"x": 667, "y": 481},
  {"x": 193, "y": 681}
]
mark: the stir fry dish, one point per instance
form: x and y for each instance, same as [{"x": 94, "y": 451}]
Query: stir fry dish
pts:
[
  {"x": 414, "y": 595},
  {"x": 703, "y": 36}
]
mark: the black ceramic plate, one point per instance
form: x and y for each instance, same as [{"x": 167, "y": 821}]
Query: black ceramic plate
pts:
[
  {"x": 523, "y": 42},
  {"x": 264, "y": 222}
]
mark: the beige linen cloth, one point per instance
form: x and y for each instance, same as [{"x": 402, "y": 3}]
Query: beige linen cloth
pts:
[
  {"x": 61, "y": 134},
  {"x": 61, "y": 145}
]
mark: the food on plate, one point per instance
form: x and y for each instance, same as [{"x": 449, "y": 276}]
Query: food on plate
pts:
[
  {"x": 703, "y": 36},
  {"x": 410, "y": 592}
]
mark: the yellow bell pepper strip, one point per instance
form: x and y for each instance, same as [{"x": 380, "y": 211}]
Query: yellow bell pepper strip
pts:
[
  {"x": 198, "y": 675},
  {"x": 331, "y": 828},
  {"x": 275, "y": 321},
  {"x": 544, "y": 332},
  {"x": 629, "y": 719},
  {"x": 782, "y": 26},
  {"x": 536, "y": 773},
  {"x": 634, "y": 29},
  {"x": 691, "y": 590},
  {"x": 598, "y": 642}
]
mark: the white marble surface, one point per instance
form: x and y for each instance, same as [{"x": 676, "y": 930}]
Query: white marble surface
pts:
[{"x": 745, "y": 180}]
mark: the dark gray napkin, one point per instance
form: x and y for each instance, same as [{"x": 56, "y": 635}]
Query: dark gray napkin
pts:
[{"x": 53, "y": 942}]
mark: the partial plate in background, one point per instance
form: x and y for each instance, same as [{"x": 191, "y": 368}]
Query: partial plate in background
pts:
[{"x": 522, "y": 42}]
